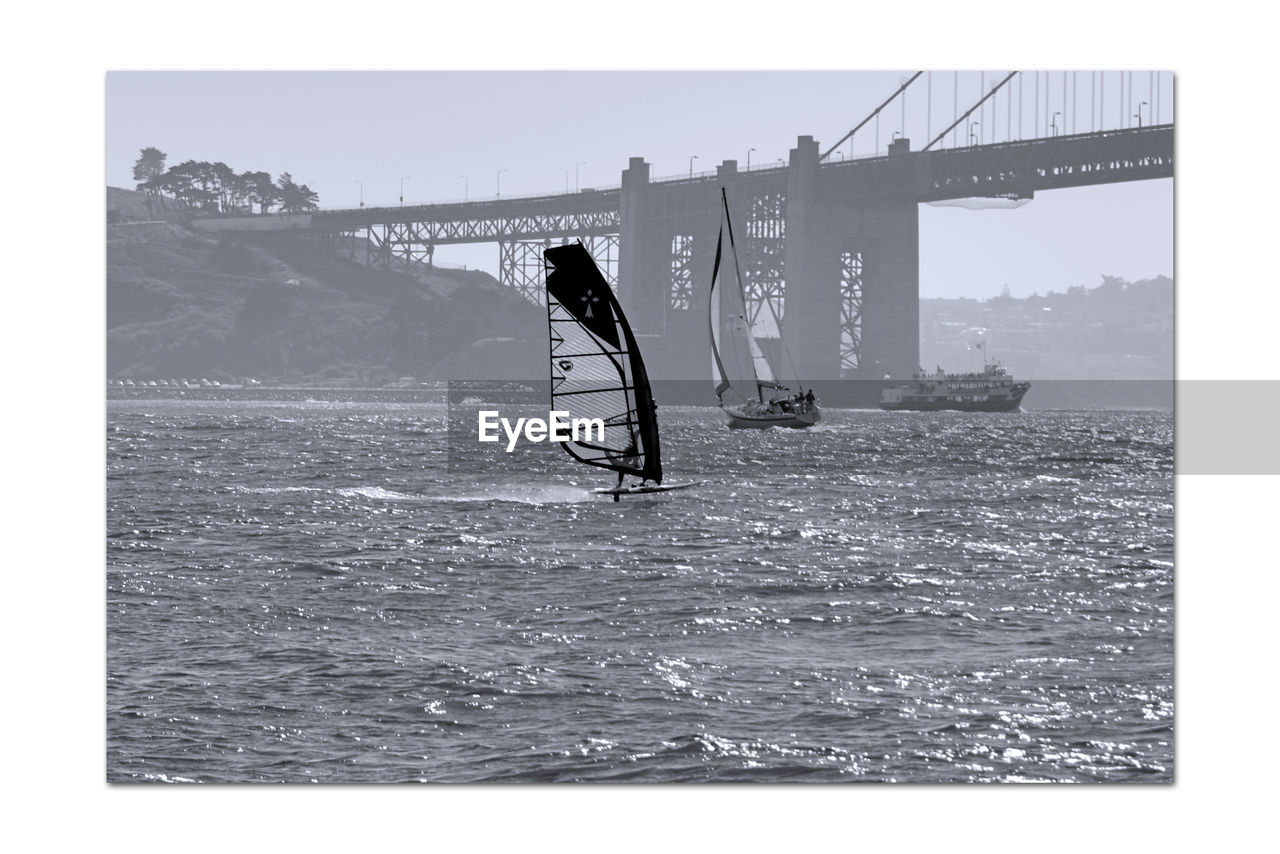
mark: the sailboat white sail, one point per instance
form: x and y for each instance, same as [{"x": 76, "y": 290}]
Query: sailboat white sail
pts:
[{"x": 741, "y": 368}]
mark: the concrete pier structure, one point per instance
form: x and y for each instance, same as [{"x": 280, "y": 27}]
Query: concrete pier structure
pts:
[{"x": 813, "y": 238}]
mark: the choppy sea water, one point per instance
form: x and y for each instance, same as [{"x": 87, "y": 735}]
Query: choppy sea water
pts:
[{"x": 307, "y": 591}]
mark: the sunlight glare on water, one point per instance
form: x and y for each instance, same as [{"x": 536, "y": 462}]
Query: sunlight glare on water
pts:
[{"x": 309, "y": 591}]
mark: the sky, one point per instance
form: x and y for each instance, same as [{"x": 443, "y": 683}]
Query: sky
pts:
[{"x": 446, "y": 135}]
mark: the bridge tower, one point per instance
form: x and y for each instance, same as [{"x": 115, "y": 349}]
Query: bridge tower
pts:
[
  {"x": 852, "y": 272},
  {"x": 838, "y": 262},
  {"x": 641, "y": 279}
]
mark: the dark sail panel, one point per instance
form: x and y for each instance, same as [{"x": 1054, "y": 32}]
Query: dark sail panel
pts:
[
  {"x": 575, "y": 282},
  {"x": 596, "y": 369}
]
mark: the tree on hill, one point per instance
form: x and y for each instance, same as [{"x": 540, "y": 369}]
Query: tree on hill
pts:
[
  {"x": 201, "y": 185},
  {"x": 150, "y": 163},
  {"x": 173, "y": 183},
  {"x": 193, "y": 183},
  {"x": 149, "y": 167},
  {"x": 259, "y": 189},
  {"x": 226, "y": 184},
  {"x": 296, "y": 198}
]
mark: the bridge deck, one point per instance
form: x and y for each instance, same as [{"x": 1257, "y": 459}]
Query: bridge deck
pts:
[{"x": 999, "y": 169}]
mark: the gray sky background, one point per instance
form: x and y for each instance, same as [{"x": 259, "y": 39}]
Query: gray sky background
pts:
[{"x": 450, "y": 133}]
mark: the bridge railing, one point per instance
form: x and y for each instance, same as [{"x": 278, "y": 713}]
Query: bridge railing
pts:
[
  {"x": 686, "y": 178},
  {"x": 470, "y": 200},
  {"x": 1067, "y": 137}
]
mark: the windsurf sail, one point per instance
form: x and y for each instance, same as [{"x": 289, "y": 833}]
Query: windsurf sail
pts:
[
  {"x": 740, "y": 359},
  {"x": 596, "y": 369}
]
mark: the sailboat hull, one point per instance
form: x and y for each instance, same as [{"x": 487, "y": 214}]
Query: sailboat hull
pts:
[{"x": 742, "y": 419}]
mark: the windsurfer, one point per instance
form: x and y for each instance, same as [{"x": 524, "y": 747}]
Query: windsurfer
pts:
[{"x": 584, "y": 318}]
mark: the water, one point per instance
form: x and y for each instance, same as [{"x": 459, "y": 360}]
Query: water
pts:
[{"x": 308, "y": 591}]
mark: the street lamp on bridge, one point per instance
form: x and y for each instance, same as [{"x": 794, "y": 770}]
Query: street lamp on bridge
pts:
[
  {"x": 575, "y": 174},
  {"x": 500, "y": 171},
  {"x": 402, "y": 180},
  {"x": 361, "y": 183},
  {"x": 1053, "y": 123},
  {"x": 749, "y": 150},
  {"x": 972, "y": 135},
  {"x": 466, "y": 188},
  {"x": 1139, "y": 114},
  {"x": 691, "y": 159}
]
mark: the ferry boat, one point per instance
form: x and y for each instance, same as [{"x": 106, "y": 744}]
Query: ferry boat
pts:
[{"x": 993, "y": 390}]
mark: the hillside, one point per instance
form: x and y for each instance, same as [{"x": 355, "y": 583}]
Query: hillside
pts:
[
  {"x": 1118, "y": 330},
  {"x": 180, "y": 304}
]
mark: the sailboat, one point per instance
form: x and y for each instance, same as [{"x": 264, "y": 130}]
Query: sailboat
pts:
[
  {"x": 597, "y": 373},
  {"x": 756, "y": 398}
]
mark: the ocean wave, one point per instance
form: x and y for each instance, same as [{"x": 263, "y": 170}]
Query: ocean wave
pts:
[
  {"x": 378, "y": 492},
  {"x": 520, "y": 494}
]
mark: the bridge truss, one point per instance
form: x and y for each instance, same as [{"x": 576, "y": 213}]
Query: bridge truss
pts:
[
  {"x": 850, "y": 310},
  {"x": 522, "y": 228},
  {"x": 766, "y": 240}
]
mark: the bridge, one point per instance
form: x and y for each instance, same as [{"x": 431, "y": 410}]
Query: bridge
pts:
[{"x": 829, "y": 247}]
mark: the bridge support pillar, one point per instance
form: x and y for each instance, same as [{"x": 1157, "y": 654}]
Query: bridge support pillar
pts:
[
  {"x": 825, "y": 237},
  {"x": 811, "y": 295},
  {"x": 647, "y": 253},
  {"x": 885, "y": 237},
  {"x": 643, "y": 274}
]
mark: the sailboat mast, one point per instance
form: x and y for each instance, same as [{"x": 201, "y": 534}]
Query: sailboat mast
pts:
[{"x": 728, "y": 221}]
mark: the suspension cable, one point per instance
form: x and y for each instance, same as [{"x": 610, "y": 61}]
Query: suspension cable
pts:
[
  {"x": 875, "y": 113},
  {"x": 994, "y": 89}
]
